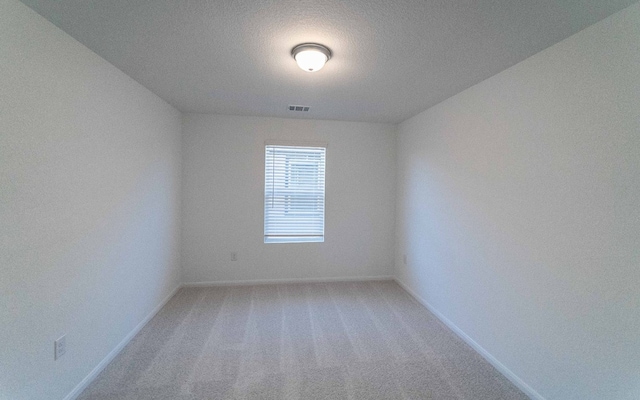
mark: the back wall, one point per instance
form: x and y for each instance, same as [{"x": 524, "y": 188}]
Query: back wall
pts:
[{"x": 223, "y": 200}]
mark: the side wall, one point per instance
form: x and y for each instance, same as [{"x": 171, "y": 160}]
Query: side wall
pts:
[
  {"x": 223, "y": 200},
  {"x": 89, "y": 205},
  {"x": 519, "y": 213}
]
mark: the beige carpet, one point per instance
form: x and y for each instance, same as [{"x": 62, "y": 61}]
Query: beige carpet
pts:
[{"x": 362, "y": 340}]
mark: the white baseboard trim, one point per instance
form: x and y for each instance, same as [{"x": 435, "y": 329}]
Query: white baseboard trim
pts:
[
  {"x": 296, "y": 280},
  {"x": 515, "y": 379},
  {"x": 96, "y": 371}
]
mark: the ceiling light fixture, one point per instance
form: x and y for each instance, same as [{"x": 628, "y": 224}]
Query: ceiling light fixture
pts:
[{"x": 311, "y": 57}]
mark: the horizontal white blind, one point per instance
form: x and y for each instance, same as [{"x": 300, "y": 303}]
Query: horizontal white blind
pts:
[{"x": 294, "y": 194}]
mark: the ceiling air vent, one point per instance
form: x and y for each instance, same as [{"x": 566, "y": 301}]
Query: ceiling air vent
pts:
[{"x": 298, "y": 108}]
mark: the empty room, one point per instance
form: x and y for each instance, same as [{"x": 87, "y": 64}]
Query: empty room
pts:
[{"x": 292, "y": 199}]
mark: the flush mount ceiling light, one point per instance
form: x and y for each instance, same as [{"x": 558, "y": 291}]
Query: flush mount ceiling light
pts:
[{"x": 311, "y": 56}]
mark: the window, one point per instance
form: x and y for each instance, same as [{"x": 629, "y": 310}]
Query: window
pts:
[{"x": 294, "y": 193}]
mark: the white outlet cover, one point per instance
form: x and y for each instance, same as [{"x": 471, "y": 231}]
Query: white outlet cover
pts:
[{"x": 60, "y": 347}]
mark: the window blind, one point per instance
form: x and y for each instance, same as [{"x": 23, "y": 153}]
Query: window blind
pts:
[{"x": 294, "y": 194}]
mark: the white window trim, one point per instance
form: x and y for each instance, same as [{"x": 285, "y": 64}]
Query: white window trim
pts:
[
  {"x": 303, "y": 143},
  {"x": 298, "y": 238}
]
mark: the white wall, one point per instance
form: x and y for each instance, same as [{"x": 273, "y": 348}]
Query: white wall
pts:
[
  {"x": 223, "y": 200},
  {"x": 519, "y": 212},
  {"x": 89, "y": 205}
]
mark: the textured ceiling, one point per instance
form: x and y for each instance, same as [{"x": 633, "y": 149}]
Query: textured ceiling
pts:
[{"x": 391, "y": 59}]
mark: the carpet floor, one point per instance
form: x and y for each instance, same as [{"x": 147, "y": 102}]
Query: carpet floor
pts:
[{"x": 356, "y": 340}]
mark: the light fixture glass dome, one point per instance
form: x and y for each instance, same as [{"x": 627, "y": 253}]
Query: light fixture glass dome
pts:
[{"x": 311, "y": 57}]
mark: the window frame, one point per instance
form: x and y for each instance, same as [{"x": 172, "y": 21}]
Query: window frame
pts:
[{"x": 270, "y": 237}]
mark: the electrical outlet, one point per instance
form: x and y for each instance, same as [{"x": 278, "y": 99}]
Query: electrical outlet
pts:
[
  {"x": 404, "y": 259},
  {"x": 60, "y": 347},
  {"x": 234, "y": 256}
]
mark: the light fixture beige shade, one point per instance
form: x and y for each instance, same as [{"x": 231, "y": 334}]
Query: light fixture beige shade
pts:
[{"x": 311, "y": 57}]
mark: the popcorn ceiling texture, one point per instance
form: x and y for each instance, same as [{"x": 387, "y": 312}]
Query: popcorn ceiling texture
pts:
[
  {"x": 391, "y": 59},
  {"x": 359, "y": 340}
]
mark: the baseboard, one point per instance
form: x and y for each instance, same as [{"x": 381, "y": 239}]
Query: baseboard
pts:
[
  {"x": 96, "y": 371},
  {"x": 298, "y": 280},
  {"x": 515, "y": 379}
]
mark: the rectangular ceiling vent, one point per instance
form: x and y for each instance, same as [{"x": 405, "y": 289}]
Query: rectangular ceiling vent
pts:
[{"x": 298, "y": 108}]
